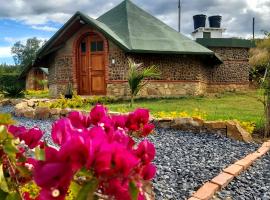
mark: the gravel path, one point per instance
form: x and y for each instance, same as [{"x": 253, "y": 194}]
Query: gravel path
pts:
[
  {"x": 184, "y": 160},
  {"x": 252, "y": 184}
]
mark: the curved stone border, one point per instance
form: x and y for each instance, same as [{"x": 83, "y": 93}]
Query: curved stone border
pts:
[
  {"x": 29, "y": 108},
  {"x": 208, "y": 190}
]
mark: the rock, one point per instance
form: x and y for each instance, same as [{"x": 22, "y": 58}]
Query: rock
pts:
[
  {"x": 64, "y": 112},
  {"x": 42, "y": 113},
  {"x": 152, "y": 92},
  {"x": 55, "y": 117},
  {"x": 29, "y": 112},
  {"x": 214, "y": 125},
  {"x": 16, "y": 101},
  {"x": 164, "y": 122},
  {"x": 4, "y": 102},
  {"x": 55, "y": 111},
  {"x": 198, "y": 121},
  {"x": 235, "y": 131},
  {"x": 186, "y": 123},
  {"x": 31, "y": 103},
  {"x": 20, "y": 108}
]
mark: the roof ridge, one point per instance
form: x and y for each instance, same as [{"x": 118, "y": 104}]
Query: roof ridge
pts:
[{"x": 127, "y": 16}]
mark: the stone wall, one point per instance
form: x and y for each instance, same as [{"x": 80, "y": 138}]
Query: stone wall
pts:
[
  {"x": 233, "y": 74},
  {"x": 180, "y": 74},
  {"x": 159, "y": 88}
]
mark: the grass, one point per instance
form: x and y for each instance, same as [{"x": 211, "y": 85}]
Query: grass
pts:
[{"x": 226, "y": 106}]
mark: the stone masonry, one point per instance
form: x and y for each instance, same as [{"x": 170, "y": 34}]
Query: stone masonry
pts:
[{"x": 180, "y": 74}]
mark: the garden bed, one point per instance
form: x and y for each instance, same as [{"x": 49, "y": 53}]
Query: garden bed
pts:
[{"x": 184, "y": 160}]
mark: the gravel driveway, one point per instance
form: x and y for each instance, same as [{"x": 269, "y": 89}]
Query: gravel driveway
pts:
[{"x": 184, "y": 160}]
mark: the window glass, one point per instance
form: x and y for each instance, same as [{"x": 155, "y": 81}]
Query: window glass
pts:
[
  {"x": 100, "y": 46},
  {"x": 83, "y": 47},
  {"x": 93, "y": 46},
  {"x": 206, "y": 35}
]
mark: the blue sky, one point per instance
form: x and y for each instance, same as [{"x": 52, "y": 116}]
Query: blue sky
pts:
[
  {"x": 22, "y": 19},
  {"x": 12, "y": 31}
]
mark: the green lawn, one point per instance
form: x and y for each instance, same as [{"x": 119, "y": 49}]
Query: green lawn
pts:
[{"x": 241, "y": 106}]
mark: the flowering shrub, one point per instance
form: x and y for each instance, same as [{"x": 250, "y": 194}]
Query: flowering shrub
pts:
[
  {"x": 97, "y": 157},
  {"x": 195, "y": 113},
  {"x": 77, "y": 101},
  {"x": 248, "y": 126}
]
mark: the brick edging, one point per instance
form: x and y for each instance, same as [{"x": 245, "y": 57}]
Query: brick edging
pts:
[{"x": 208, "y": 190}]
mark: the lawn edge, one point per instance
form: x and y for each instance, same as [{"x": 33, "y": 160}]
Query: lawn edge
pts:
[{"x": 228, "y": 174}]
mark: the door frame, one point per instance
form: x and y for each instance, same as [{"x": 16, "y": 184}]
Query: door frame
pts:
[{"x": 76, "y": 63}]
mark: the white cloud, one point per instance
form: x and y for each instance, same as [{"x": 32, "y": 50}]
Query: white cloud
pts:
[
  {"x": 5, "y": 52},
  {"x": 12, "y": 40},
  {"x": 237, "y": 14},
  {"x": 45, "y": 28}
]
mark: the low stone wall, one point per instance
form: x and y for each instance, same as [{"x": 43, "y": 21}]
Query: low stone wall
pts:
[
  {"x": 231, "y": 87},
  {"x": 231, "y": 129},
  {"x": 159, "y": 89}
]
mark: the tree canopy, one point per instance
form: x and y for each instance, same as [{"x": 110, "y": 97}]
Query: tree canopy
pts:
[{"x": 24, "y": 54}]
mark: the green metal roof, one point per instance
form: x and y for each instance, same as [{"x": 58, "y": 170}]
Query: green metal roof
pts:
[
  {"x": 141, "y": 32},
  {"x": 45, "y": 70},
  {"x": 226, "y": 42},
  {"x": 132, "y": 29}
]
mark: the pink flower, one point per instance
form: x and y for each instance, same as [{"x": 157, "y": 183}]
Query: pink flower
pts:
[
  {"x": 147, "y": 129},
  {"x": 75, "y": 152},
  {"x": 52, "y": 174},
  {"x": 62, "y": 131},
  {"x": 137, "y": 119},
  {"x": 148, "y": 171},
  {"x": 78, "y": 120},
  {"x": 121, "y": 137},
  {"x": 31, "y": 137},
  {"x": 16, "y": 131},
  {"x": 115, "y": 159},
  {"x": 146, "y": 151},
  {"x": 97, "y": 113},
  {"x": 118, "y": 189},
  {"x": 119, "y": 121}
]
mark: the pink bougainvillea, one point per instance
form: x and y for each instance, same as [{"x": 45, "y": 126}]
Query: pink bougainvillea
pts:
[{"x": 100, "y": 146}]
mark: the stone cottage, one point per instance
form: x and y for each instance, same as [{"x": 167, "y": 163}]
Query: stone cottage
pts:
[
  {"x": 92, "y": 54},
  {"x": 34, "y": 77}
]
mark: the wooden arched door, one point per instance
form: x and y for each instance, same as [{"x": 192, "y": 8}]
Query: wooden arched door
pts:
[{"x": 91, "y": 65}]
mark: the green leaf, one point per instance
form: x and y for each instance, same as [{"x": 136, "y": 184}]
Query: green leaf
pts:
[
  {"x": 84, "y": 173},
  {"x": 23, "y": 171},
  {"x": 10, "y": 149},
  {"x": 74, "y": 189},
  {"x": 3, "y": 133},
  {"x": 13, "y": 196},
  {"x": 3, "y": 194},
  {"x": 133, "y": 190},
  {"x": 6, "y": 119},
  {"x": 87, "y": 191},
  {"x": 3, "y": 183},
  {"x": 39, "y": 153}
]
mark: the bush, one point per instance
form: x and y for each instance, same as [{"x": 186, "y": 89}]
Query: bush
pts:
[
  {"x": 37, "y": 93},
  {"x": 13, "y": 91},
  {"x": 78, "y": 102},
  {"x": 248, "y": 126},
  {"x": 7, "y": 80}
]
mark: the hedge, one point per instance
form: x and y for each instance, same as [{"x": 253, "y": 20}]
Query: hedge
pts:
[{"x": 7, "y": 80}]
